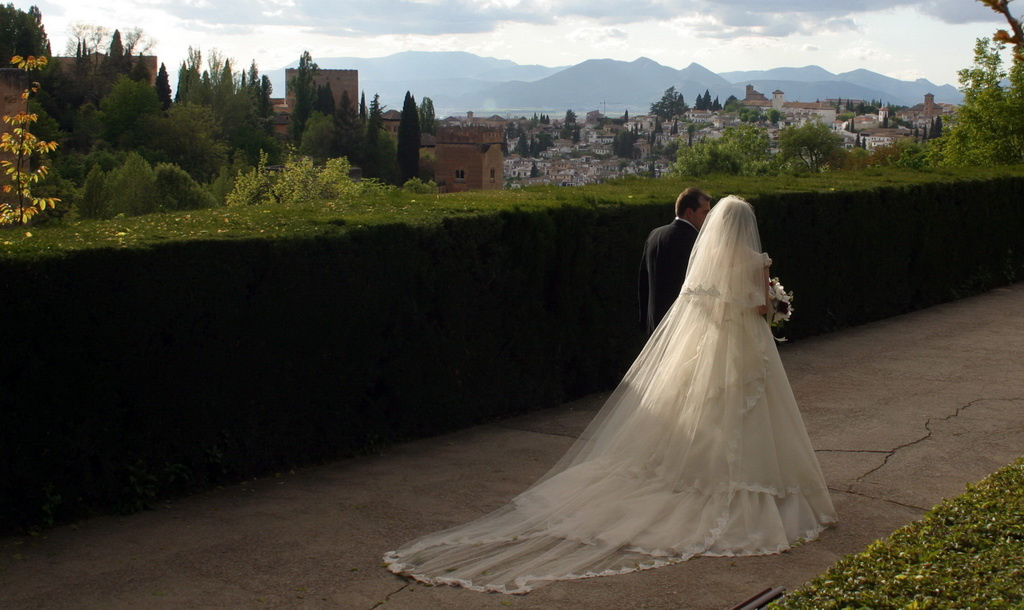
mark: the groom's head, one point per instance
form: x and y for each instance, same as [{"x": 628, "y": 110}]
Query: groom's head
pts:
[{"x": 693, "y": 206}]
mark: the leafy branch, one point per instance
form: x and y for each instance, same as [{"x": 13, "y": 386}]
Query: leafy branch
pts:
[
  {"x": 1017, "y": 38},
  {"x": 21, "y": 144}
]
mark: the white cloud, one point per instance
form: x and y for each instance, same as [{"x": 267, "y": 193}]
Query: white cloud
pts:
[
  {"x": 933, "y": 37},
  {"x": 865, "y": 54},
  {"x": 599, "y": 37}
]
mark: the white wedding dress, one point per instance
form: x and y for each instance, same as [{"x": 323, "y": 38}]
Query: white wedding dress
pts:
[{"x": 701, "y": 450}]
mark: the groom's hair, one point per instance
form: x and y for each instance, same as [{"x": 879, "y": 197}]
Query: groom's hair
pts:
[{"x": 691, "y": 199}]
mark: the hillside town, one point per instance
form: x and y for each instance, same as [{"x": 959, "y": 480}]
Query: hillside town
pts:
[{"x": 589, "y": 157}]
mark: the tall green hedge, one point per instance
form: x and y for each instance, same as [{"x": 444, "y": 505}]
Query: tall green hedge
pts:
[{"x": 130, "y": 374}]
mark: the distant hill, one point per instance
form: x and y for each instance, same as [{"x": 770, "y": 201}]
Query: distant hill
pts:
[
  {"x": 858, "y": 84},
  {"x": 458, "y": 82}
]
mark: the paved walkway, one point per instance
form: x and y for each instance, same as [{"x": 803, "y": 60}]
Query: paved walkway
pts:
[{"x": 903, "y": 413}]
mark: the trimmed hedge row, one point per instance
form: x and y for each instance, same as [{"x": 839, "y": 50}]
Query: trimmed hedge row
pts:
[{"x": 132, "y": 374}]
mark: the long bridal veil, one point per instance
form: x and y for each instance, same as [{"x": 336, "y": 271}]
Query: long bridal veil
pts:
[{"x": 700, "y": 450}]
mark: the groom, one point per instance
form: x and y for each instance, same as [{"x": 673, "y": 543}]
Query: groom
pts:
[{"x": 666, "y": 254}]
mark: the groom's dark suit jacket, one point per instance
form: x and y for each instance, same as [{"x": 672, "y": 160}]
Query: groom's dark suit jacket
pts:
[{"x": 663, "y": 269}]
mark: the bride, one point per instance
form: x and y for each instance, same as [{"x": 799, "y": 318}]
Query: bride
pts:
[{"x": 700, "y": 450}]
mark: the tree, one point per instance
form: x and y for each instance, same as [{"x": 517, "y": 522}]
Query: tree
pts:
[
  {"x": 670, "y": 105},
  {"x": 117, "y": 63},
  {"x": 86, "y": 39},
  {"x": 136, "y": 42},
  {"x": 989, "y": 126},
  {"x": 741, "y": 150},
  {"x": 130, "y": 187},
  {"x": 303, "y": 89},
  {"x": 324, "y": 103},
  {"x": 428, "y": 119},
  {"x": 163, "y": 87},
  {"x": 92, "y": 203},
  {"x": 409, "y": 140},
  {"x": 21, "y": 144},
  {"x": 523, "y": 146},
  {"x": 320, "y": 138},
  {"x": 543, "y": 142},
  {"x": 176, "y": 190},
  {"x": 349, "y": 131},
  {"x": 264, "y": 106},
  {"x": 22, "y": 33},
  {"x": 568, "y": 125},
  {"x": 189, "y": 77},
  {"x": 379, "y": 154},
  {"x": 812, "y": 146},
  {"x": 189, "y": 136},
  {"x": 140, "y": 72},
  {"x": 125, "y": 111},
  {"x": 624, "y": 144}
]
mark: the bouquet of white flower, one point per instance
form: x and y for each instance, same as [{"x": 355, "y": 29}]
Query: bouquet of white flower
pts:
[{"x": 780, "y": 305}]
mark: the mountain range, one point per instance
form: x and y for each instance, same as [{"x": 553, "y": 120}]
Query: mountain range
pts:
[{"x": 458, "y": 82}]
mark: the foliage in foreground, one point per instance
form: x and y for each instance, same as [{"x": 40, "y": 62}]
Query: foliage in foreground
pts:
[
  {"x": 22, "y": 145},
  {"x": 964, "y": 553}
]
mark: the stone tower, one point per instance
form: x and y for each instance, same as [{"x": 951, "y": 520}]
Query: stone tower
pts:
[
  {"x": 469, "y": 158},
  {"x": 338, "y": 80}
]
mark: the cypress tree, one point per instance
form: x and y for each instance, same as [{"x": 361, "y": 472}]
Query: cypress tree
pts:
[
  {"x": 304, "y": 92},
  {"x": 349, "y": 131},
  {"x": 523, "y": 146},
  {"x": 324, "y": 100},
  {"x": 428, "y": 118},
  {"x": 163, "y": 87},
  {"x": 409, "y": 140}
]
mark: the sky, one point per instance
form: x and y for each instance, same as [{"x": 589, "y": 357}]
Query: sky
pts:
[{"x": 905, "y": 39}]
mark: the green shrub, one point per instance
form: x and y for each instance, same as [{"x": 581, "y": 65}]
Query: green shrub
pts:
[
  {"x": 93, "y": 201},
  {"x": 130, "y": 188},
  {"x": 964, "y": 553},
  {"x": 252, "y": 187},
  {"x": 415, "y": 185},
  {"x": 176, "y": 190}
]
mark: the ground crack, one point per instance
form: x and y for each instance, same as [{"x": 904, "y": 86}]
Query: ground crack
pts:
[
  {"x": 387, "y": 597},
  {"x": 535, "y": 431},
  {"x": 885, "y": 499},
  {"x": 927, "y": 426}
]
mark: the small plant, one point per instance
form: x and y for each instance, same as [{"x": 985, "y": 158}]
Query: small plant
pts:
[
  {"x": 415, "y": 185},
  {"x": 21, "y": 144}
]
